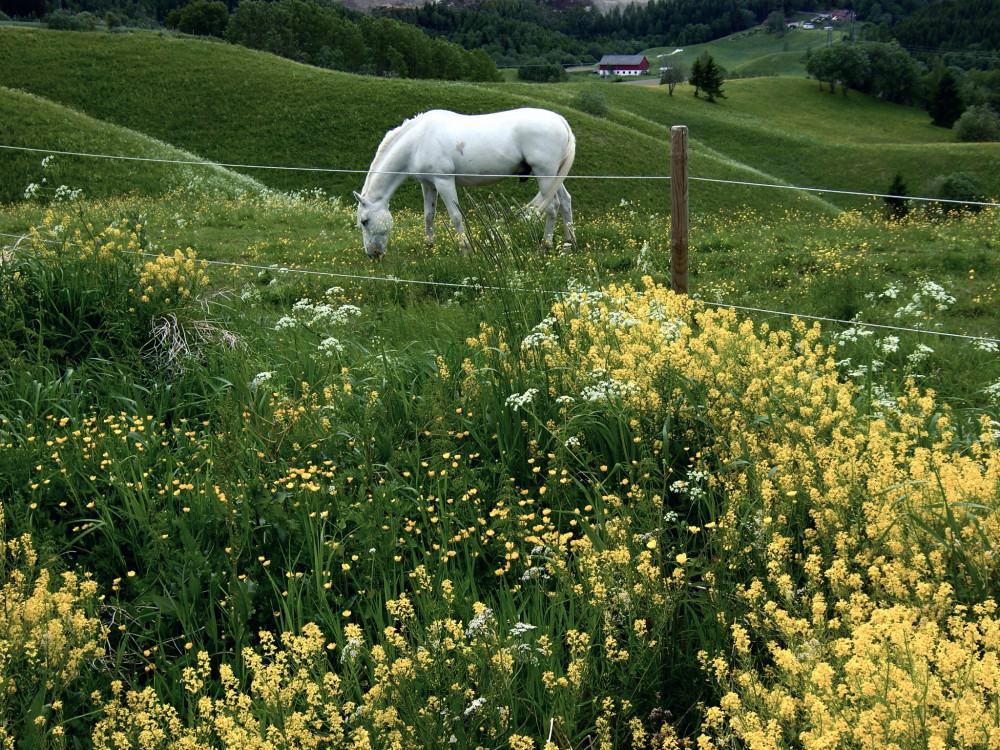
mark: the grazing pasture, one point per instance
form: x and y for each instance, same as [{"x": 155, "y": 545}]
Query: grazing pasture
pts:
[{"x": 257, "y": 489}]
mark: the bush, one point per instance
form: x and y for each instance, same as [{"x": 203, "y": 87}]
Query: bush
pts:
[
  {"x": 539, "y": 71},
  {"x": 76, "y": 300},
  {"x": 978, "y": 123},
  {"x": 201, "y": 18},
  {"x": 60, "y": 20},
  {"x": 957, "y": 186},
  {"x": 592, "y": 102}
]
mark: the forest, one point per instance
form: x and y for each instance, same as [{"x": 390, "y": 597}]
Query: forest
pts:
[{"x": 513, "y": 32}]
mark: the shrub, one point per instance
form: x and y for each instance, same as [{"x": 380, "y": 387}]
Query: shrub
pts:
[
  {"x": 978, "y": 123},
  {"x": 957, "y": 186},
  {"x": 67, "y": 298},
  {"x": 539, "y": 71},
  {"x": 897, "y": 207},
  {"x": 64, "y": 21},
  {"x": 201, "y": 17},
  {"x": 592, "y": 102}
]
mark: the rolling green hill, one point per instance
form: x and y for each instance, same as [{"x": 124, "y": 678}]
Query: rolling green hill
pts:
[
  {"x": 752, "y": 53},
  {"x": 29, "y": 120},
  {"x": 231, "y": 105}
]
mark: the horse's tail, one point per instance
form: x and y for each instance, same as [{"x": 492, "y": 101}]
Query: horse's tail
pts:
[{"x": 541, "y": 202}]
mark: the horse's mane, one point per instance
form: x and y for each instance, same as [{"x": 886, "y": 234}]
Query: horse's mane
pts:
[{"x": 383, "y": 150}]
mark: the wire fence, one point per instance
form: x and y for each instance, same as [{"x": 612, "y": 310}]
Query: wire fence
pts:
[
  {"x": 424, "y": 282},
  {"x": 345, "y": 170}
]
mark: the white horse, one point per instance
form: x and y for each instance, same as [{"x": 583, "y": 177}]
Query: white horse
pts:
[{"x": 443, "y": 150}]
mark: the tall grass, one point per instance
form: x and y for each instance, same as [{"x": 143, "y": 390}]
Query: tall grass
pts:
[
  {"x": 555, "y": 503},
  {"x": 256, "y": 488}
]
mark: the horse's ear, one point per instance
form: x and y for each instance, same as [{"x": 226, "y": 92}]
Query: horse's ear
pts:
[{"x": 358, "y": 196}]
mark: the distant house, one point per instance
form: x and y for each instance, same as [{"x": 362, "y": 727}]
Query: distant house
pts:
[{"x": 623, "y": 65}]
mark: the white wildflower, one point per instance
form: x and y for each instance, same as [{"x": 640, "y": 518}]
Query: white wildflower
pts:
[
  {"x": 330, "y": 346},
  {"x": 481, "y": 624},
  {"x": 351, "y": 650},
  {"x": 259, "y": 379},
  {"x": 517, "y": 400},
  {"x": 889, "y": 344},
  {"x": 520, "y": 629},
  {"x": 475, "y": 705},
  {"x": 920, "y": 354}
]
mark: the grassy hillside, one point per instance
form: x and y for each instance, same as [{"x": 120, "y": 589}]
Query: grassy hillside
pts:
[
  {"x": 255, "y": 488},
  {"x": 232, "y": 105},
  {"x": 751, "y": 53},
  {"x": 789, "y": 130},
  {"x": 229, "y": 104},
  {"x": 30, "y": 121}
]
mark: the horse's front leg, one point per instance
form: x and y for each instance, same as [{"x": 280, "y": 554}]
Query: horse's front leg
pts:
[{"x": 430, "y": 208}]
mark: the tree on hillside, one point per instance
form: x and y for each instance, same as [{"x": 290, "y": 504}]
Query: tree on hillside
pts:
[
  {"x": 712, "y": 78},
  {"x": 894, "y": 74},
  {"x": 852, "y": 65},
  {"x": 945, "y": 104},
  {"x": 672, "y": 76},
  {"x": 979, "y": 123},
  {"x": 540, "y": 71},
  {"x": 697, "y": 74},
  {"x": 820, "y": 66},
  {"x": 845, "y": 63},
  {"x": 897, "y": 206},
  {"x": 775, "y": 23},
  {"x": 202, "y": 18}
]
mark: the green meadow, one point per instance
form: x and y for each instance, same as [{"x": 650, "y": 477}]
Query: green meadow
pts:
[
  {"x": 260, "y": 491},
  {"x": 753, "y": 53}
]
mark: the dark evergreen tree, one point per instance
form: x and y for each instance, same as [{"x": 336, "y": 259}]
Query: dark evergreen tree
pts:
[
  {"x": 697, "y": 76},
  {"x": 897, "y": 207},
  {"x": 712, "y": 78},
  {"x": 945, "y": 105}
]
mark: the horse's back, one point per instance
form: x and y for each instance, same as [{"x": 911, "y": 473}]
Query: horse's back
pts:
[{"x": 532, "y": 132}]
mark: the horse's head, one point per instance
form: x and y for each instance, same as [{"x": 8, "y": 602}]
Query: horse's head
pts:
[{"x": 376, "y": 223}]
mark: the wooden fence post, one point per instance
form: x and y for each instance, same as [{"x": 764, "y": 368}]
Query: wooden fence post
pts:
[{"x": 679, "y": 209}]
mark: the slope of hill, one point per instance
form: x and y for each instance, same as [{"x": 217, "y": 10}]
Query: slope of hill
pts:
[
  {"x": 235, "y": 106},
  {"x": 789, "y": 130},
  {"x": 30, "y": 122},
  {"x": 751, "y": 53}
]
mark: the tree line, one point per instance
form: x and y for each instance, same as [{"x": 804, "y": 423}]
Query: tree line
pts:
[
  {"x": 968, "y": 101},
  {"x": 515, "y": 31},
  {"x": 953, "y": 25},
  {"x": 339, "y": 39}
]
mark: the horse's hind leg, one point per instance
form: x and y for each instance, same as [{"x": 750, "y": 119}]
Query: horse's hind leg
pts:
[
  {"x": 550, "y": 226},
  {"x": 566, "y": 209}
]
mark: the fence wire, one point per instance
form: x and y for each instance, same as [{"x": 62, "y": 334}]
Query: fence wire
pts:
[{"x": 422, "y": 282}]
